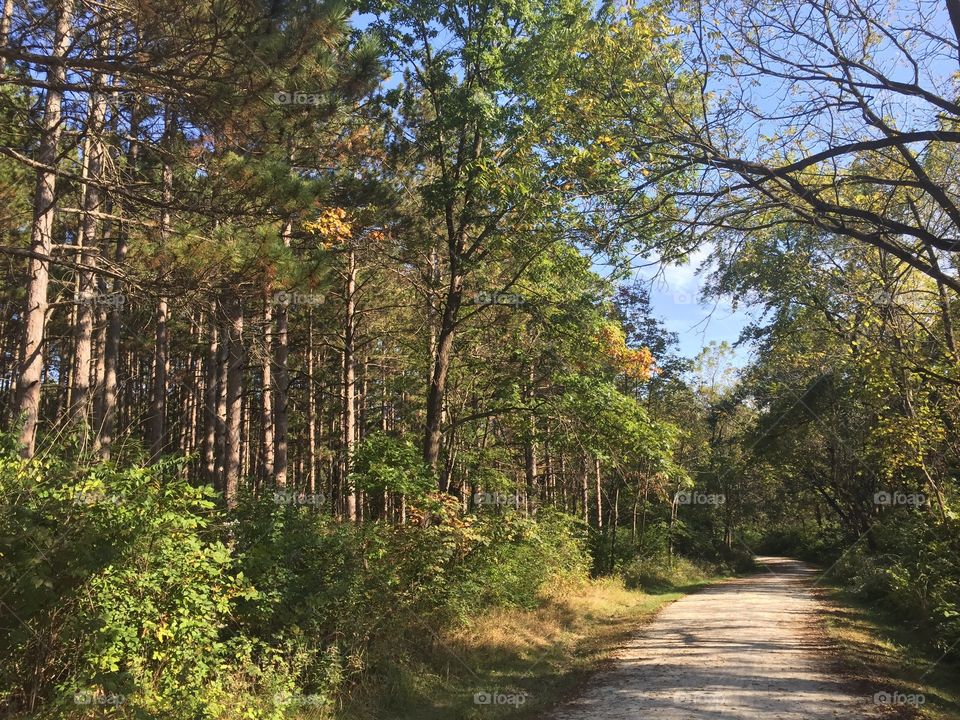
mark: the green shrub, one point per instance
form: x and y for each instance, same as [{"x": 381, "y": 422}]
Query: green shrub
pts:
[{"x": 116, "y": 588}]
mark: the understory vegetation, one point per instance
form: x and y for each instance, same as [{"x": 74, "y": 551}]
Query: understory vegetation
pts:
[
  {"x": 333, "y": 331},
  {"x": 134, "y": 592}
]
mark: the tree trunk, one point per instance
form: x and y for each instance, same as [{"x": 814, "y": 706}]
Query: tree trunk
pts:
[
  {"x": 5, "y": 21},
  {"x": 41, "y": 239},
  {"x": 107, "y": 417},
  {"x": 161, "y": 367},
  {"x": 282, "y": 386},
  {"x": 349, "y": 384},
  {"x": 93, "y": 169},
  {"x": 221, "y": 414},
  {"x": 231, "y": 471},
  {"x": 438, "y": 379},
  {"x": 211, "y": 395},
  {"x": 584, "y": 490},
  {"x": 598, "y": 492},
  {"x": 311, "y": 413},
  {"x": 266, "y": 367}
]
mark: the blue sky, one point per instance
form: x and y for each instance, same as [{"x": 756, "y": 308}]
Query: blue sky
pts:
[{"x": 675, "y": 296}]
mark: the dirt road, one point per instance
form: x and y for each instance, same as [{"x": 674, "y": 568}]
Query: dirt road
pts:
[{"x": 740, "y": 649}]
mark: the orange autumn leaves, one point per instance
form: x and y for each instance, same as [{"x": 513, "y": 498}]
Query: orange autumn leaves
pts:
[{"x": 635, "y": 363}]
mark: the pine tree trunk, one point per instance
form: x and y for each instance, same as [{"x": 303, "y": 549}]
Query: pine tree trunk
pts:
[
  {"x": 5, "y": 21},
  {"x": 267, "y": 384},
  {"x": 106, "y": 421},
  {"x": 221, "y": 414},
  {"x": 211, "y": 395},
  {"x": 41, "y": 239},
  {"x": 231, "y": 473},
  {"x": 161, "y": 367},
  {"x": 93, "y": 163},
  {"x": 281, "y": 387},
  {"x": 311, "y": 413},
  {"x": 349, "y": 385}
]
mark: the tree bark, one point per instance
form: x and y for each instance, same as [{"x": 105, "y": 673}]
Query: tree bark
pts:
[
  {"x": 161, "y": 368},
  {"x": 311, "y": 412},
  {"x": 282, "y": 386},
  {"x": 211, "y": 397},
  {"x": 93, "y": 165},
  {"x": 441, "y": 367},
  {"x": 266, "y": 376},
  {"x": 598, "y": 492},
  {"x": 349, "y": 384},
  {"x": 231, "y": 473},
  {"x": 106, "y": 420},
  {"x": 41, "y": 239}
]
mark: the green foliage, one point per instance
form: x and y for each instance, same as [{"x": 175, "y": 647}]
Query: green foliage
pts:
[
  {"x": 122, "y": 590},
  {"x": 383, "y": 463}
]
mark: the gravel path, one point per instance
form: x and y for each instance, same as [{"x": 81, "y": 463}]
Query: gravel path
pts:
[{"x": 739, "y": 649}]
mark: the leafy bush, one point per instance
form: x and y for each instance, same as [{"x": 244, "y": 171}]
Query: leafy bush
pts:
[
  {"x": 907, "y": 564},
  {"x": 132, "y": 585},
  {"x": 116, "y": 588},
  {"x": 331, "y": 589}
]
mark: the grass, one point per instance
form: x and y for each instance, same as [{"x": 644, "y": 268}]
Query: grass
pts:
[
  {"x": 880, "y": 655},
  {"x": 533, "y": 657}
]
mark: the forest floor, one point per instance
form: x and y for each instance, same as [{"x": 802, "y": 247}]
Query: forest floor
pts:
[{"x": 750, "y": 647}]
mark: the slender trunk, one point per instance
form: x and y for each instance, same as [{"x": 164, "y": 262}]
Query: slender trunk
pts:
[
  {"x": 598, "y": 492},
  {"x": 161, "y": 367},
  {"x": 111, "y": 352},
  {"x": 221, "y": 414},
  {"x": 584, "y": 491},
  {"x": 530, "y": 453},
  {"x": 93, "y": 164},
  {"x": 615, "y": 520},
  {"x": 349, "y": 385},
  {"x": 41, "y": 239},
  {"x": 231, "y": 473},
  {"x": 311, "y": 413},
  {"x": 281, "y": 388},
  {"x": 267, "y": 383},
  {"x": 211, "y": 395}
]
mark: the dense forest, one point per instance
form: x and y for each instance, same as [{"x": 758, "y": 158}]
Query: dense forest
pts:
[{"x": 323, "y": 327}]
